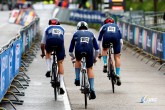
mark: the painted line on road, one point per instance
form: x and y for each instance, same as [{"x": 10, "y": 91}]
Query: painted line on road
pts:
[{"x": 66, "y": 100}]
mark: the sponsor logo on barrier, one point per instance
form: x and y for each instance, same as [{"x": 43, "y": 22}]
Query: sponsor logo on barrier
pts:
[
  {"x": 144, "y": 44},
  {"x": 159, "y": 46},
  {"x": 11, "y": 64},
  {"x": 148, "y": 42},
  {"x": 17, "y": 55},
  {"x": 4, "y": 65}
]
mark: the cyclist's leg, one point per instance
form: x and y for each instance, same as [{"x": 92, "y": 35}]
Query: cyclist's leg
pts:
[
  {"x": 77, "y": 72},
  {"x": 117, "y": 49},
  {"x": 117, "y": 63},
  {"x": 91, "y": 82},
  {"x": 60, "y": 57},
  {"x": 104, "y": 55},
  {"x": 89, "y": 65},
  {"x": 49, "y": 63},
  {"x": 106, "y": 40},
  {"x": 77, "y": 66}
]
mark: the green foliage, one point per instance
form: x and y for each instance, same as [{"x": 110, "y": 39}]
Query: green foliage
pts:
[{"x": 146, "y": 5}]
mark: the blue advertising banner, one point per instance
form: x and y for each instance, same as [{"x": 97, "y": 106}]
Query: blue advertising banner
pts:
[
  {"x": 125, "y": 31},
  {"x": 5, "y": 82},
  {"x": 130, "y": 33},
  {"x": 11, "y": 63},
  {"x": 154, "y": 43},
  {"x": 144, "y": 39},
  {"x": 29, "y": 38},
  {"x": 87, "y": 16},
  {"x": 140, "y": 37},
  {"x": 17, "y": 46},
  {"x": 25, "y": 41},
  {"x": 149, "y": 41},
  {"x": 159, "y": 45},
  {"x": 136, "y": 36}
]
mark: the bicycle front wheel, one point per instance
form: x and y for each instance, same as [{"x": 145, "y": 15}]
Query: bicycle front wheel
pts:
[{"x": 85, "y": 91}]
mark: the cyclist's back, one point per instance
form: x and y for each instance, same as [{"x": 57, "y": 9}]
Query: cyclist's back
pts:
[
  {"x": 110, "y": 33},
  {"x": 54, "y": 36},
  {"x": 84, "y": 43}
]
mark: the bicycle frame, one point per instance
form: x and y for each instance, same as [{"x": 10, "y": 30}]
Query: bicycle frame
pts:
[
  {"x": 84, "y": 81},
  {"x": 54, "y": 77},
  {"x": 111, "y": 72}
]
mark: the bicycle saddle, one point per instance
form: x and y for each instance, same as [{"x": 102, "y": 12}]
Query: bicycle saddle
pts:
[{"x": 83, "y": 54}]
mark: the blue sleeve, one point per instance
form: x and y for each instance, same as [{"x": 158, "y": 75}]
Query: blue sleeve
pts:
[
  {"x": 72, "y": 44},
  {"x": 96, "y": 47},
  {"x": 100, "y": 34},
  {"x": 120, "y": 34}
]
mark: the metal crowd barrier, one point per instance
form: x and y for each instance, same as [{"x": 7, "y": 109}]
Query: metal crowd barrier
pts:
[
  {"x": 15, "y": 57},
  {"x": 150, "y": 43}
]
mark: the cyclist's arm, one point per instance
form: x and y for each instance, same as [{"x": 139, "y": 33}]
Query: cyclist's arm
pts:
[
  {"x": 96, "y": 47},
  {"x": 43, "y": 42},
  {"x": 101, "y": 32},
  {"x": 71, "y": 48}
]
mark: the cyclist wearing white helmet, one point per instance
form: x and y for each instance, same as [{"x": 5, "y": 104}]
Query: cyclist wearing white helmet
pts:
[
  {"x": 54, "y": 36},
  {"x": 84, "y": 40}
]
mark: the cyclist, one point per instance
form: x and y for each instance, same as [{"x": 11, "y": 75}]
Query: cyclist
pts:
[
  {"x": 54, "y": 36},
  {"x": 83, "y": 40},
  {"x": 110, "y": 33}
]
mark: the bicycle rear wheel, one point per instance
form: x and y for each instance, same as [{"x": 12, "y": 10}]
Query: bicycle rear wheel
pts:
[
  {"x": 113, "y": 82},
  {"x": 54, "y": 75},
  {"x": 112, "y": 78}
]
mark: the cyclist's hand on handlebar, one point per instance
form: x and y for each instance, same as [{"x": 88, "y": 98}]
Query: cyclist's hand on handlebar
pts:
[
  {"x": 99, "y": 56},
  {"x": 42, "y": 55},
  {"x": 72, "y": 58},
  {"x": 73, "y": 61},
  {"x": 94, "y": 61}
]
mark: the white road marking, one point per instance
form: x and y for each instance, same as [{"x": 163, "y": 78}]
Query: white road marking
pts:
[{"x": 66, "y": 100}]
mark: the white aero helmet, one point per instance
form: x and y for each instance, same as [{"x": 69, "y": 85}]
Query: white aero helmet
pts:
[{"x": 82, "y": 25}]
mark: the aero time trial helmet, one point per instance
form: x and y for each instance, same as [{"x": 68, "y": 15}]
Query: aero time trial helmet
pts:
[
  {"x": 54, "y": 21},
  {"x": 109, "y": 20},
  {"x": 82, "y": 25}
]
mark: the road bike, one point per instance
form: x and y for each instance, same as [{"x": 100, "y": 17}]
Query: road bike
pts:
[
  {"x": 55, "y": 77},
  {"x": 84, "y": 83},
  {"x": 84, "y": 79},
  {"x": 111, "y": 73}
]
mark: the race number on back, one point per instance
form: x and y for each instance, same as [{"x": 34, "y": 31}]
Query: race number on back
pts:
[
  {"x": 56, "y": 31},
  {"x": 84, "y": 39},
  {"x": 111, "y": 29}
]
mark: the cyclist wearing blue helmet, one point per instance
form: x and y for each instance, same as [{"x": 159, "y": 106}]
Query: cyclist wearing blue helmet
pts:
[
  {"x": 83, "y": 40},
  {"x": 54, "y": 36},
  {"x": 110, "y": 33}
]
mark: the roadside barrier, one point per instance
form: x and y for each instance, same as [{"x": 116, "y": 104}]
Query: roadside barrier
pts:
[
  {"x": 147, "y": 42},
  {"x": 15, "y": 57}
]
